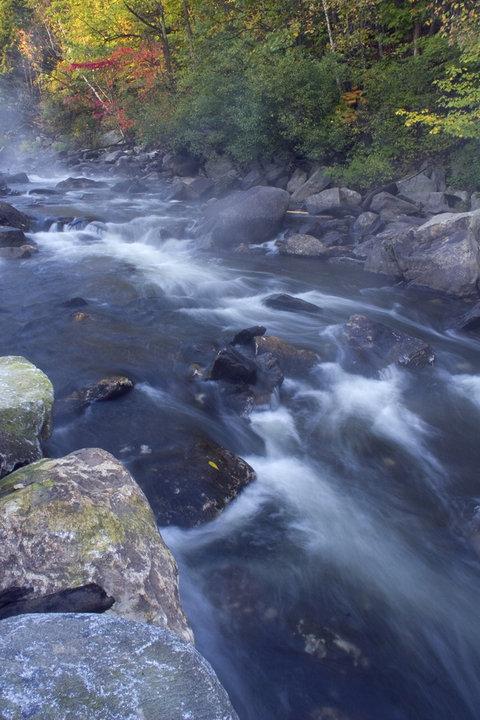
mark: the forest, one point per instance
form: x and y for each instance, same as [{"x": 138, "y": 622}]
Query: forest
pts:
[{"x": 368, "y": 87}]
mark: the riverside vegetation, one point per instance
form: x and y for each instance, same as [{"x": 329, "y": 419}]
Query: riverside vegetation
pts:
[{"x": 368, "y": 88}]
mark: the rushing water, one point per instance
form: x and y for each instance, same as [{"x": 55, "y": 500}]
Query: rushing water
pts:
[{"x": 340, "y": 585}]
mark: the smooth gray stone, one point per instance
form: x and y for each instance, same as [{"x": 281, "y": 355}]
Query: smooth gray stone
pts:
[{"x": 79, "y": 666}]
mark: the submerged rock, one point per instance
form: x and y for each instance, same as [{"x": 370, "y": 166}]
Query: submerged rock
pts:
[
  {"x": 105, "y": 389},
  {"x": 83, "y": 519},
  {"x": 192, "y": 483},
  {"x": 379, "y": 345},
  {"x": 26, "y": 418},
  {"x": 282, "y": 301},
  {"x": 95, "y": 666}
]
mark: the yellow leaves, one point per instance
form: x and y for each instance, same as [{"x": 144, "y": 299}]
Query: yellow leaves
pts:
[{"x": 213, "y": 465}]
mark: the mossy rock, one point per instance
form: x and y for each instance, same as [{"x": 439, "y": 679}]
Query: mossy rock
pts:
[{"x": 83, "y": 519}]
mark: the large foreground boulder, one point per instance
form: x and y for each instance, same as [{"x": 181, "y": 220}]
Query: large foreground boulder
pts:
[
  {"x": 443, "y": 254},
  {"x": 83, "y": 519},
  {"x": 26, "y": 402},
  {"x": 75, "y": 667},
  {"x": 13, "y": 218},
  {"x": 246, "y": 216}
]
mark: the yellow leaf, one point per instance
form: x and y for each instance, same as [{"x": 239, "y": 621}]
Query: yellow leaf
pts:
[{"x": 213, "y": 465}]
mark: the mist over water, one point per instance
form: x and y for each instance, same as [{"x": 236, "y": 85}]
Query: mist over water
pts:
[{"x": 343, "y": 578}]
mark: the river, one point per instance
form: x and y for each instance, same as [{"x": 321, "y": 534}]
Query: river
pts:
[{"x": 340, "y": 584}]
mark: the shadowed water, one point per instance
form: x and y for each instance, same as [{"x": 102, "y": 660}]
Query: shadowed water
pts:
[{"x": 343, "y": 579}]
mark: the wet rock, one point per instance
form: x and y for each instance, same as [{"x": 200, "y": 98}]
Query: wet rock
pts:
[
  {"x": 469, "y": 320},
  {"x": 83, "y": 519},
  {"x": 299, "y": 177},
  {"x": 17, "y": 178},
  {"x": 443, "y": 254},
  {"x": 282, "y": 301},
  {"x": 246, "y": 336},
  {"x": 192, "y": 483},
  {"x": 12, "y": 237},
  {"x": 233, "y": 366},
  {"x": 75, "y": 302},
  {"x": 130, "y": 186},
  {"x": 192, "y": 189},
  {"x": 12, "y": 217},
  {"x": 86, "y": 598},
  {"x": 17, "y": 253},
  {"x": 254, "y": 177},
  {"x": 378, "y": 345},
  {"x": 26, "y": 402},
  {"x": 90, "y": 666},
  {"x": 292, "y": 360},
  {"x": 80, "y": 183},
  {"x": 302, "y": 245},
  {"x": 250, "y": 216},
  {"x": 105, "y": 389}
]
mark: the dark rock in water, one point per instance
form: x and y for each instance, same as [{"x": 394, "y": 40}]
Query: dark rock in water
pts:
[
  {"x": 250, "y": 216},
  {"x": 292, "y": 360},
  {"x": 75, "y": 302},
  {"x": 90, "y": 598},
  {"x": 12, "y": 237},
  {"x": 16, "y": 452},
  {"x": 79, "y": 666},
  {"x": 270, "y": 374},
  {"x": 191, "y": 484},
  {"x": 18, "y": 178},
  {"x": 378, "y": 345},
  {"x": 232, "y": 366},
  {"x": 17, "y": 253},
  {"x": 469, "y": 320},
  {"x": 82, "y": 519},
  {"x": 80, "y": 183},
  {"x": 282, "y": 301},
  {"x": 42, "y": 191},
  {"x": 12, "y": 217},
  {"x": 130, "y": 186},
  {"x": 104, "y": 389},
  {"x": 246, "y": 336}
]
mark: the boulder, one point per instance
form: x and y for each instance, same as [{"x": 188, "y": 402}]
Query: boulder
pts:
[
  {"x": 318, "y": 181},
  {"x": 12, "y": 237},
  {"x": 282, "y": 301},
  {"x": 80, "y": 183},
  {"x": 78, "y": 666},
  {"x": 378, "y": 345},
  {"x": 233, "y": 366},
  {"x": 366, "y": 223},
  {"x": 469, "y": 320},
  {"x": 443, "y": 254},
  {"x": 191, "y": 189},
  {"x": 247, "y": 335},
  {"x": 417, "y": 187},
  {"x": 13, "y": 218},
  {"x": 391, "y": 206},
  {"x": 26, "y": 402},
  {"x": 302, "y": 245},
  {"x": 191, "y": 483},
  {"x": 20, "y": 178},
  {"x": 82, "y": 519},
  {"x": 250, "y": 216},
  {"x": 292, "y": 360},
  {"x": 299, "y": 177},
  {"x": 332, "y": 199},
  {"x": 105, "y": 389}
]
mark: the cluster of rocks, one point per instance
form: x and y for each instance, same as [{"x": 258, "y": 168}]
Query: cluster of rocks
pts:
[{"x": 78, "y": 538}]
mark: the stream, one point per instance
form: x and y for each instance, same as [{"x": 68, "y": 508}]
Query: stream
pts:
[{"x": 340, "y": 584}]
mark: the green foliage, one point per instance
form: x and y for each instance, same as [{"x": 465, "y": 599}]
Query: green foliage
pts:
[{"x": 464, "y": 167}]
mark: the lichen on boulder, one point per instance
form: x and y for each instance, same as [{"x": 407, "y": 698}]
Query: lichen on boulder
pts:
[
  {"x": 82, "y": 519},
  {"x": 26, "y": 411}
]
